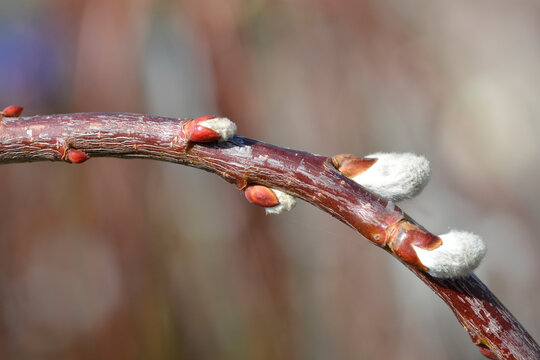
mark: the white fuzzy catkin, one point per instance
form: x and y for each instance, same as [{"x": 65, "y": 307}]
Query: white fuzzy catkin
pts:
[
  {"x": 395, "y": 176},
  {"x": 223, "y": 126},
  {"x": 286, "y": 203},
  {"x": 459, "y": 254}
]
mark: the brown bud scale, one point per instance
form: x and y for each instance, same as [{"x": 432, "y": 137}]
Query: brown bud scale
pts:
[
  {"x": 350, "y": 165},
  {"x": 198, "y": 133},
  {"x": 404, "y": 234},
  {"x": 261, "y": 195}
]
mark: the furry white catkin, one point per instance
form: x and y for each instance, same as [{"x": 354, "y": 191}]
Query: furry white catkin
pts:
[
  {"x": 286, "y": 203},
  {"x": 395, "y": 176},
  {"x": 460, "y": 253}
]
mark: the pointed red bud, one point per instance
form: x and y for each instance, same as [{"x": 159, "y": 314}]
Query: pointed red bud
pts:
[
  {"x": 261, "y": 195},
  {"x": 77, "y": 156},
  {"x": 199, "y": 133},
  {"x": 12, "y": 111}
]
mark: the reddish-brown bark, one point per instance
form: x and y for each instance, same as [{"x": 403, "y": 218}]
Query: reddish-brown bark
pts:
[{"x": 243, "y": 162}]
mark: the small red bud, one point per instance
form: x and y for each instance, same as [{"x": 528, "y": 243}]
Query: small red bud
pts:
[
  {"x": 261, "y": 195},
  {"x": 198, "y": 133},
  {"x": 77, "y": 156},
  {"x": 12, "y": 111},
  {"x": 351, "y": 165}
]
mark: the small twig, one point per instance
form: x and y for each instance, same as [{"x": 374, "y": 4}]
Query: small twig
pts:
[{"x": 244, "y": 162}]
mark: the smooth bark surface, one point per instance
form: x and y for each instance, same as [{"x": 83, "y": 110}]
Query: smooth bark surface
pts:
[{"x": 244, "y": 161}]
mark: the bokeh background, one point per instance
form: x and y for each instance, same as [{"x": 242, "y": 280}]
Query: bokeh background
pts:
[{"x": 133, "y": 259}]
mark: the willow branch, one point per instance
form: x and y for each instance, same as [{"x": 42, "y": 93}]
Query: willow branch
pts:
[{"x": 243, "y": 162}]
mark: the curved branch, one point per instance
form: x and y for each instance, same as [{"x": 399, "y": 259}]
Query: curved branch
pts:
[{"x": 243, "y": 161}]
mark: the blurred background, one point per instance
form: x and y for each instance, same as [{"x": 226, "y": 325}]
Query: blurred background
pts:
[{"x": 133, "y": 259}]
